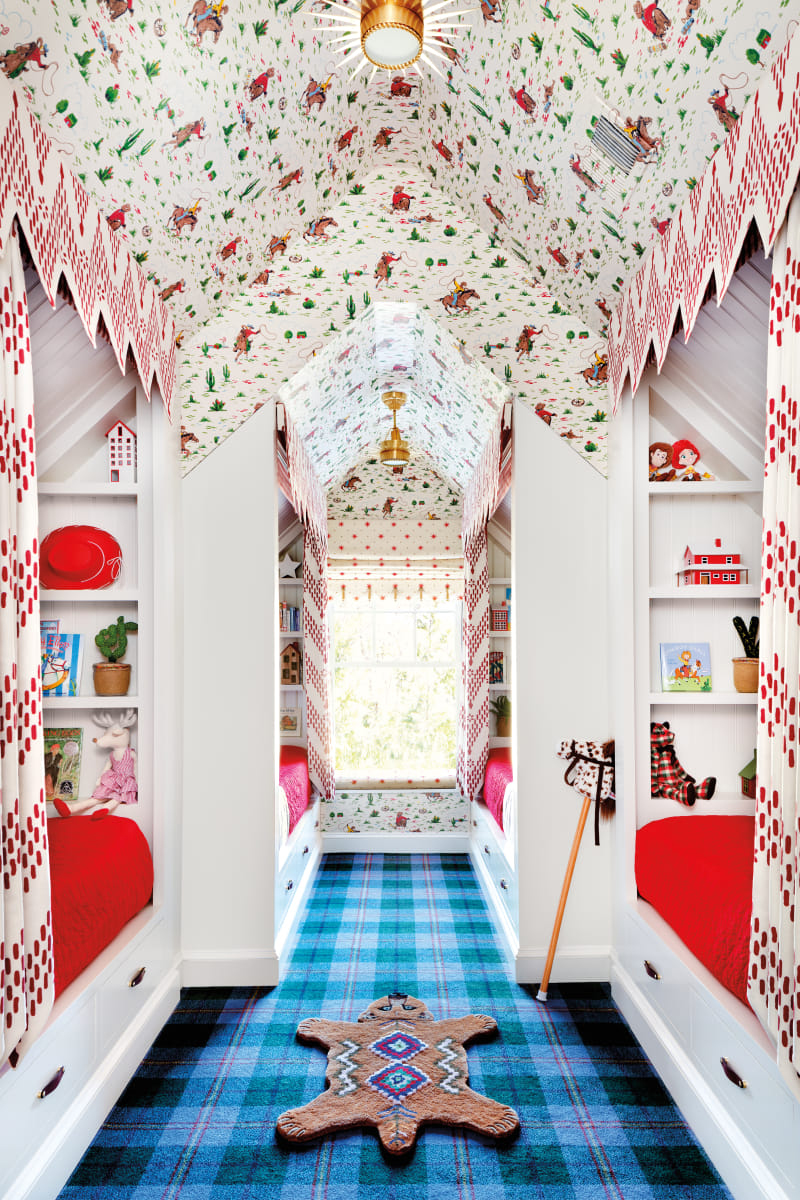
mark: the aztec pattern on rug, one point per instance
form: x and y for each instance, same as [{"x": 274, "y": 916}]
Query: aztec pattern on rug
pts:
[{"x": 198, "y": 1119}]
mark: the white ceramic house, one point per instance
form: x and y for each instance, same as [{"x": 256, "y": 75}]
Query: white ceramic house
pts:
[{"x": 121, "y": 453}]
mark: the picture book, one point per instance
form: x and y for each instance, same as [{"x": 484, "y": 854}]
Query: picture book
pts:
[
  {"x": 290, "y": 722},
  {"x": 62, "y": 763},
  {"x": 496, "y": 666},
  {"x": 61, "y": 665},
  {"x": 49, "y": 632},
  {"x": 685, "y": 667}
]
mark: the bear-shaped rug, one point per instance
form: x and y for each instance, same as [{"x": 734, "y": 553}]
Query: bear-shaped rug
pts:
[{"x": 395, "y": 1070}]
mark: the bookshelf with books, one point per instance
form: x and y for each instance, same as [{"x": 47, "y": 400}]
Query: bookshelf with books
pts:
[
  {"x": 292, "y": 706},
  {"x": 500, "y": 630}
]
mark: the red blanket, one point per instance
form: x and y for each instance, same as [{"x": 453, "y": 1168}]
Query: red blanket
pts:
[
  {"x": 697, "y": 872},
  {"x": 495, "y": 781},
  {"x": 101, "y": 875},
  {"x": 293, "y": 778}
]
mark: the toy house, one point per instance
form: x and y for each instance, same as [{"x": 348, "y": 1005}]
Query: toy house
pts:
[
  {"x": 121, "y": 442},
  {"x": 748, "y": 778},
  {"x": 291, "y": 664},
  {"x": 713, "y": 567}
]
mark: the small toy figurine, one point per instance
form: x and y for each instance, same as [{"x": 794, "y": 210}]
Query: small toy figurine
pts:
[
  {"x": 117, "y": 784},
  {"x": 661, "y": 469},
  {"x": 684, "y": 457}
]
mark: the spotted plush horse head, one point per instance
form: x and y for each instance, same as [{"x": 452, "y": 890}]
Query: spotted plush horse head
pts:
[{"x": 397, "y": 1007}]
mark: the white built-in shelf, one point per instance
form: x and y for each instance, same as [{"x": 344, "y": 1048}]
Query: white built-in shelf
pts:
[
  {"x": 101, "y": 702},
  {"x": 741, "y": 591},
  {"x": 290, "y": 582},
  {"x": 499, "y": 687},
  {"x": 496, "y": 581},
  {"x": 88, "y": 489},
  {"x": 93, "y": 595},
  {"x": 291, "y": 687},
  {"x": 707, "y": 487},
  {"x": 495, "y": 742},
  {"x": 704, "y": 698},
  {"x": 296, "y": 637},
  {"x": 499, "y": 633}
]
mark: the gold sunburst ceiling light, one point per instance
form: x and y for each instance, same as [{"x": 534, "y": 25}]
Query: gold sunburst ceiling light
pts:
[
  {"x": 392, "y": 34},
  {"x": 394, "y": 451}
]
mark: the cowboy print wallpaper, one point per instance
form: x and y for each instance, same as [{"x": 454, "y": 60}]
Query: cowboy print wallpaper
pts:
[{"x": 235, "y": 157}]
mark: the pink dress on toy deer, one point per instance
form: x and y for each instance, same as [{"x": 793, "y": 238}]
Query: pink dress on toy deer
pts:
[{"x": 117, "y": 784}]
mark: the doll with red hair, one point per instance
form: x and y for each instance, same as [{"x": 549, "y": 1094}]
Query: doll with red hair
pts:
[{"x": 685, "y": 457}]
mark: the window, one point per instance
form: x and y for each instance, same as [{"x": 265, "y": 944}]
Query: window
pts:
[{"x": 396, "y": 671}]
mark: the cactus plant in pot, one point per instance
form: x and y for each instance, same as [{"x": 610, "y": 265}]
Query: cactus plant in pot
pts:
[
  {"x": 745, "y": 670},
  {"x": 113, "y": 678},
  {"x": 501, "y": 707}
]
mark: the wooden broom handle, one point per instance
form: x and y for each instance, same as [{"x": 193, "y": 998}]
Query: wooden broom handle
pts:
[{"x": 562, "y": 902}]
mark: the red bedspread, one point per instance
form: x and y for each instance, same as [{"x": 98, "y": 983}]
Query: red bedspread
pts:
[
  {"x": 697, "y": 872},
  {"x": 293, "y": 778},
  {"x": 495, "y": 781},
  {"x": 101, "y": 875}
]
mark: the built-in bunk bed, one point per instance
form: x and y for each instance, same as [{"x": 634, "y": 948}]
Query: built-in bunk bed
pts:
[
  {"x": 112, "y": 880},
  {"x": 683, "y": 954}
]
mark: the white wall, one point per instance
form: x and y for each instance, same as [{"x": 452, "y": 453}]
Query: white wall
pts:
[
  {"x": 561, "y": 691},
  {"x": 230, "y": 688}
]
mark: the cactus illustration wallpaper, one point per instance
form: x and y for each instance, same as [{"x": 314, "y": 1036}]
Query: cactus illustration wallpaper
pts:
[{"x": 271, "y": 199}]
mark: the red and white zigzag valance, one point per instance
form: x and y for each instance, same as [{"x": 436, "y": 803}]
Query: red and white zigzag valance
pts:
[
  {"x": 66, "y": 234},
  {"x": 751, "y": 177}
]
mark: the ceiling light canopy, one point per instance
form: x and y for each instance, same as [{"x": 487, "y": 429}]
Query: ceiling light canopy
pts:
[
  {"x": 394, "y": 451},
  {"x": 392, "y": 34}
]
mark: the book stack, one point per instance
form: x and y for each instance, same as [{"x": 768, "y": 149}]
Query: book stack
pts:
[
  {"x": 62, "y": 763},
  {"x": 496, "y": 666},
  {"x": 289, "y": 618}
]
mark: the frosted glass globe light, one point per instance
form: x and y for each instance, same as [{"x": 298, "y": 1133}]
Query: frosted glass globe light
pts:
[{"x": 392, "y": 47}]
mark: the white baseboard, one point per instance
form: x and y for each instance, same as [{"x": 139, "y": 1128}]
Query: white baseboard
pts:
[
  {"x": 56, "y": 1158},
  {"x": 285, "y": 937},
  {"x": 744, "y": 1171},
  {"x": 230, "y": 968},
  {"x": 573, "y": 964},
  {"x": 395, "y": 843}
]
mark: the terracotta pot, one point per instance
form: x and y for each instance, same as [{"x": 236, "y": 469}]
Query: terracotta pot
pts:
[
  {"x": 745, "y": 674},
  {"x": 112, "y": 679},
  {"x": 504, "y": 727}
]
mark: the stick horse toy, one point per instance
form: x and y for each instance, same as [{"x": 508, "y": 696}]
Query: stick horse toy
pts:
[{"x": 590, "y": 770}]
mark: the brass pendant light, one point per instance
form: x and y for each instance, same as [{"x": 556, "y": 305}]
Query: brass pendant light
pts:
[{"x": 394, "y": 451}]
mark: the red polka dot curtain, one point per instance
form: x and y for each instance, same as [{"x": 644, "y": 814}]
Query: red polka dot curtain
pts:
[
  {"x": 774, "y": 982},
  {"x": 26, "y": 949},
  {"x": 473, "y": 725}
]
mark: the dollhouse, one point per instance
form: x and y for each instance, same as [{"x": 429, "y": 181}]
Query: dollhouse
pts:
[
  {"x": 714, "y": 567},
  {"x": 121, "y": 453}
]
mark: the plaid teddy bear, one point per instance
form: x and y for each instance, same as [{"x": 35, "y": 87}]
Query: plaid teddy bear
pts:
[{"x": 667, "y": 776}]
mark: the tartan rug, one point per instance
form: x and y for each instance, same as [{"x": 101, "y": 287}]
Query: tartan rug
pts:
[{"x": 198, "y": 1119}]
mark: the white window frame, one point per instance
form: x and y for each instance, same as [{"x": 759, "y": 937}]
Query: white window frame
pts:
[{"x": 371, "y": 611}]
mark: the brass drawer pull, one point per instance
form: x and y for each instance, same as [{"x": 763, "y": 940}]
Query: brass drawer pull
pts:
[
  {"x": 504, "y": 885},
  {"x": 731, "y": 1074},
  {"x": 290, "y": 885},
  {"x": 651, "y": 971},
  {"x": 486, "y": 850},
  {"x": 52, "y": 1085},
  {"x": 137, "y": 978}
]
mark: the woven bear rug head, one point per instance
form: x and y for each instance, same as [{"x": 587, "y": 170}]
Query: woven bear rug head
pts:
[{"x": 395, "y": 1070}]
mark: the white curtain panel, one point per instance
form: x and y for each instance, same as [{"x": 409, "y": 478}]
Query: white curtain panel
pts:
[
  {"x": 26, "y": 943},
  {"x": 473, "y": 727},
  {"x": 774, "y": 976},
  {"x": 316, "y": 660}
]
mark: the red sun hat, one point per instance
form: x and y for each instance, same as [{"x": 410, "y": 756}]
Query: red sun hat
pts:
[{"x": 79, "y": 556}]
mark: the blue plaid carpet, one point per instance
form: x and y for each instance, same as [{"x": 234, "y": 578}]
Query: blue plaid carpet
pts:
[{"x": 198, "y": 1119}]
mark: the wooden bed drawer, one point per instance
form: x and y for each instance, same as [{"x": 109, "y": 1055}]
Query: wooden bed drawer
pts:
[
  {"x": 764, "y": 1107},
  {"x": 131, "y": 983},
  {"x": 659, "y": 975},
  {"x": 28, "y": 1117}
]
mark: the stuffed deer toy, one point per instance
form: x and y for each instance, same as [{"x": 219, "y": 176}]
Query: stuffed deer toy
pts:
[{"x": 117, "y": 784}]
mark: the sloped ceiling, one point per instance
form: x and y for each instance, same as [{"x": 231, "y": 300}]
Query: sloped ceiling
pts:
[{"x": 163, "y": 120}]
